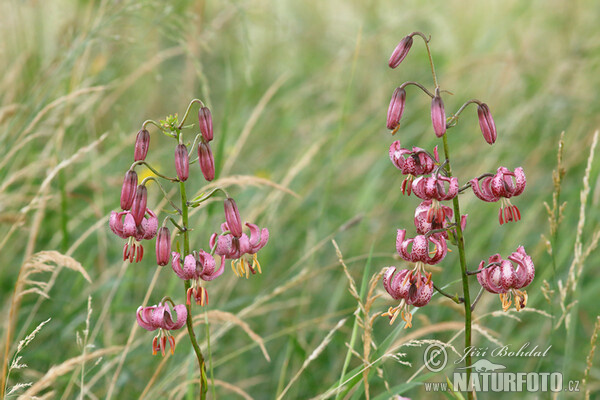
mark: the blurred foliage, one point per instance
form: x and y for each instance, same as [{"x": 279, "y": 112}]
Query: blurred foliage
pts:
[{"x": 322, "y": 134}]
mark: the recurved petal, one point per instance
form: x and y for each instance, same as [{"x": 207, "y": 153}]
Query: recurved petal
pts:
[
  {"x": 423, "y": 294},
  {"x": 189, "y": 267},
  {"x": 129, "y": 226},
  {"x": 150, "y": 225},
  {"x": 525, "y": 269},
  {"x": 176, "y": 265},
  {"x": 181, "y": 315},
  {"x": 387, "y": 279},
  {"x": 508, "y": 276},
  {"x": 481, "y": 189},
  {"x": 520, "y": 181},
  {"x": 258, "y": 237},
  {"x": 441, "y": 249},
  {"x": 401, "y": 284},
  {"x": 144, "y": 318}
]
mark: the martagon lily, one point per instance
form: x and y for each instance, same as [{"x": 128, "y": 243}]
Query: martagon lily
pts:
[
  {"x": 505, "y": 278},
  {"x": 501, "y": 186}
]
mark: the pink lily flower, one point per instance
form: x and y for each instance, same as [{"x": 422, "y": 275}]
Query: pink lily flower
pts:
[
  {"x": 412, "y": 288},
  {"x": 413, "y": 162},
  {"x": 501, "y": 186},
  {"x": 428, "y": 218},
  {"x": 196, "y": 266},
  {"x": 123, "y": 225},
  {"x": 420, "y": 248},
  {"x": 433, "y": 188},
  {"x": 232, "y": 248},
  {"x": 505, "y": 279},
  {"x": 159, "y": 317}
]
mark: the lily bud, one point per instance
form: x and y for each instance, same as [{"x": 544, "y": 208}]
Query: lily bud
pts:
[
  {"x": 396, "y": 108},
  {"x": 128, "y": 190},
  {"x": 400, "y": 51},
  {"x": 206, "y": 125},
  {"x": 438, "y": 115},
  {"x": 486, "y": 123},
  {"x": 138, "y": 208},
  {"x": 232, "y": 216},
  {"x": 206, "y": 161},
  {"x": 182, "y": 162},
  {"x": 142, "y": 143},
  {"x": 163, "y": 246}
]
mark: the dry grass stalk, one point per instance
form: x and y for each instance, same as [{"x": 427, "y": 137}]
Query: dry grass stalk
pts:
[
  {"x": 223, "y": 316},
  {"x": 580, "y": 256},
  {"x": 180, "y": 390},
  {"x": 313, "y": 356},
  {"x": 246, "y": 180},
  {"x": 256, "y": 113},
  {"x": 61, "y": 369},
  {"x": 364, "y": 319},
  {"x": 39, "y": 262},
  {"x": 590, "y": 357},
  {"x": 15, "y": 364}
]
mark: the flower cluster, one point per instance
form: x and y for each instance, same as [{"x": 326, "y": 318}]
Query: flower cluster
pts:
[
  {"x": 436, "y": 223},
  {"x": 136, "y": 222}
]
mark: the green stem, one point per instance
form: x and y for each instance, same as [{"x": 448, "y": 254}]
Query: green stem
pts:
[
  {"x": 463, "y": 269},
  {"x": 426, "y": 40},
  {"x": 187, "y": 112},
  {"x": 189, "y": 324}
]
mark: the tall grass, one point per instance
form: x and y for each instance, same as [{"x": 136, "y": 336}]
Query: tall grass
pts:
[{"x": 299, "y": 92}]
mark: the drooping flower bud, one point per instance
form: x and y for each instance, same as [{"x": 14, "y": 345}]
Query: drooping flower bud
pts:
[
  {"x": 438, "y": 115},
  {"x": 486, "y": 123},
  {"x": 206, "y": 161},
  {"x": 396, "y": 108},
  {"x": 163, "y": 246},
  {"x": 142, "y": 143},
  {"x": 128, "y": 190},
  {"x": 400, "y": 51},
  {"x": 182, "y": 162},
  {"x": 206, "y": 125},
  {"x": 232, "y": 216},
  {"x": 138, "y": 208}
]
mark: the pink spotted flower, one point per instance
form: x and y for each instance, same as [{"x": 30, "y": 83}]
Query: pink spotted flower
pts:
[
  {"x": 501, "y": 186},
  {"x": 420, "y": 248},
  {"x": 414, "y": 163},
  {"x": 197, "y": 266},
  {"x": 232, "y": 244},
  {"x": 428, "y": 218},
  {"x": 412, "y": 289},
  {"x": 507, "y": 277},
  {"x": 123, "y": 225},
  {"x": 160, "y": 317}
]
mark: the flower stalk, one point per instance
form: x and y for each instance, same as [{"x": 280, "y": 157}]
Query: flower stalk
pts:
[{"x": 189, "y": 323}]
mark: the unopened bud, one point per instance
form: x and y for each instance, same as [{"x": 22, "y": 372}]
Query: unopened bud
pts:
[
  {"x": 206, "y": 161},
  {"x": 128, "y": 190},
  {"x": 396, "y": 108},
  {"x": 400, "y": 51},
  {"x": 438, "y": 115},
  {"x": 486, "y": 123},
  {"x": 163, "y": 246},
  {"x": 182, "y": 162},
  {"x": 138, "y": 208},
  {"x": 232, "y": 216},
  {"x": 206, "y": 125},
  {"x": 142, "y": 143}
]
